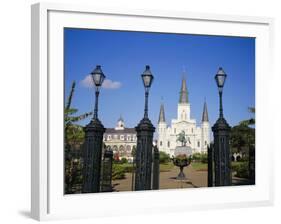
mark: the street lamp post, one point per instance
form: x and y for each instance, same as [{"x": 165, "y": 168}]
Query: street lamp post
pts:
[
  {"x": 93, "y": 142},
  {"x": 221, "y": 131},
  {"x": 145, "y": 131}
]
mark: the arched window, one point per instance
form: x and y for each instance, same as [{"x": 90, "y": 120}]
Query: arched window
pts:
[
  {"x": 160, "y": 143},
  {"x": 122, "y": 150},
  {"x": 115, "y": 149},
  {"x": 168, "y": 144},
  {"x": 198, "y": 144},
  {"x": 128, "y": 148}
]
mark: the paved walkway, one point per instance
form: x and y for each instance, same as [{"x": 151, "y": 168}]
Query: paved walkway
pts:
[{"x": 168, "y": 180}]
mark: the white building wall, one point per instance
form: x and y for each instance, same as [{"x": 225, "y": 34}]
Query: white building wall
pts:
[
  {"x": 162, "y": 137},
  {"x": 205, "y": 126}
]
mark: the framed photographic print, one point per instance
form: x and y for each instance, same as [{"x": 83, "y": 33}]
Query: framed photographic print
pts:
[{"x": 162, "y": 111}]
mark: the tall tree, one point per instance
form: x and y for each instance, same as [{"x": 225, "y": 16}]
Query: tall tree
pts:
[{"x": 243, "y": 135}]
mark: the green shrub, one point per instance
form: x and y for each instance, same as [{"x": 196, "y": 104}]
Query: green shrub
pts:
[
  {"x": 123, "y": 160},
  {"x": 234, "y": 166},
  {"x": 200, "y": 157},
  {"x": 244, "y": 159},
  {"x": 196, "y": 157},
  {"x": 204, "y": 158},
  {"x": 163, "y": 157},
  {"x": 127, "y": 167},
  {"x": 242, "y": 169},
  {"x": 118, "y": 172}
]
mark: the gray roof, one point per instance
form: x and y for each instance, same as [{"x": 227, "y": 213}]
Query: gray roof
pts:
[
  {"x": 205, "y": 116},
  {"x": 161, "y": 114},
  {"x": 183, "y": 92},
  {"x": 124, "y": 131}
]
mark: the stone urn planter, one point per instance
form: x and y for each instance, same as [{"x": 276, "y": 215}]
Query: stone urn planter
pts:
[{"x": 182, "y": 159}]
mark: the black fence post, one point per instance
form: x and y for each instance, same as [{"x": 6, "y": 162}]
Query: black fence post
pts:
[
  {"x": 133, "y": 174},
  {"x": 145, "y": 132},
  {"x": 252, "y": 164},
  {"x": 222, "y": 159},
  {"x": 92, "y": 156},
  {"x": 107, "y": 171},
  {"x": 210, "y": 165},
  {"x": 156, "y": 174}
]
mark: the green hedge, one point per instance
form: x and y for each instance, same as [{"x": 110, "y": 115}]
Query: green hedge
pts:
[
  {"x": 119, "y": 170},
  {"x": 196, "y": 157},
  {"x": 241, "y": 169},
  {"x": 123, "y": 160},
  {"x": 200, "y": 157},
  {"x": 164, "y": 157}
]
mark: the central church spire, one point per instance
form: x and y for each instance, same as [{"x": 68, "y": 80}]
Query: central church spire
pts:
[
  {"x": 183, "y": 92},
  {"x": 161, "y": 114}
]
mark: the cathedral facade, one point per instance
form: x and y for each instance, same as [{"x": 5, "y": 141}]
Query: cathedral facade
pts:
[{"x": 197, "y": 136}]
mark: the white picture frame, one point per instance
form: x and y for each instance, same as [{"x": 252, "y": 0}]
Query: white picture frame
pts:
[{"x": 48, "y": 201}]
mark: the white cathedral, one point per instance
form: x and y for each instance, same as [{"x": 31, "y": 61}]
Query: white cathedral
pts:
[{"x": 197, "y": 137}]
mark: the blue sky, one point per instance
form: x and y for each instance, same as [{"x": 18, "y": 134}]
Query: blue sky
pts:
[{"x": 123, "y": 56}]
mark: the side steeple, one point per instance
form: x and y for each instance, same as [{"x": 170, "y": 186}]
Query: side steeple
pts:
[
  {"x": 161, "y": 114},
  {"x": 205, "y": 117},
  {"x": 183, "y": 92}
]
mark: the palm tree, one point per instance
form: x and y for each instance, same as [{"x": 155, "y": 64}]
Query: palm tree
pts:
[
  {"x": 74, "y": 133},
  {"x": 74, "y": 137}
]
